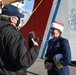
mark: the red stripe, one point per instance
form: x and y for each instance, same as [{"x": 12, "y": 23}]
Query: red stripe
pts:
[{"x": 59, "y": 23}]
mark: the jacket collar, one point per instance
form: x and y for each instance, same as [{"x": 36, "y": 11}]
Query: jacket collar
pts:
[{"x": 3, "y": 23}]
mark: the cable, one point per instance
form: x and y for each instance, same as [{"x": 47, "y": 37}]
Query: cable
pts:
[{"x": 32, "y": 13}]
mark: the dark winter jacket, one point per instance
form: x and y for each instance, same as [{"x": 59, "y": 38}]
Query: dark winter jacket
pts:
[{"x": 14, "y": 56}]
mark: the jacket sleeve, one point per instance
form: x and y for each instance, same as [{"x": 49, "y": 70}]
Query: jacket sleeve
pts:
[
  {"x": 18, "y": 53},
  {"x": 66, "y": 55}
]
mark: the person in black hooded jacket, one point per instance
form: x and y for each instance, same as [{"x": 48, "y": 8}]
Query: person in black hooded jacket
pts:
[{"x": 14, "y": 56}]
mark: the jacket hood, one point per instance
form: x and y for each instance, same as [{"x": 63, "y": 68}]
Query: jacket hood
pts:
[{"x": 3, "y": 23}]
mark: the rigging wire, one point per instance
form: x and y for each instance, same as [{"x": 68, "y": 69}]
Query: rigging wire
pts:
[{"x": 31, "y": 13}]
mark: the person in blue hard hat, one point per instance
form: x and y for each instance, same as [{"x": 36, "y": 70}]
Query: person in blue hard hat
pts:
[
  {"x": 58, "y": 54},
  {"x": 14, "y": 56}
]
